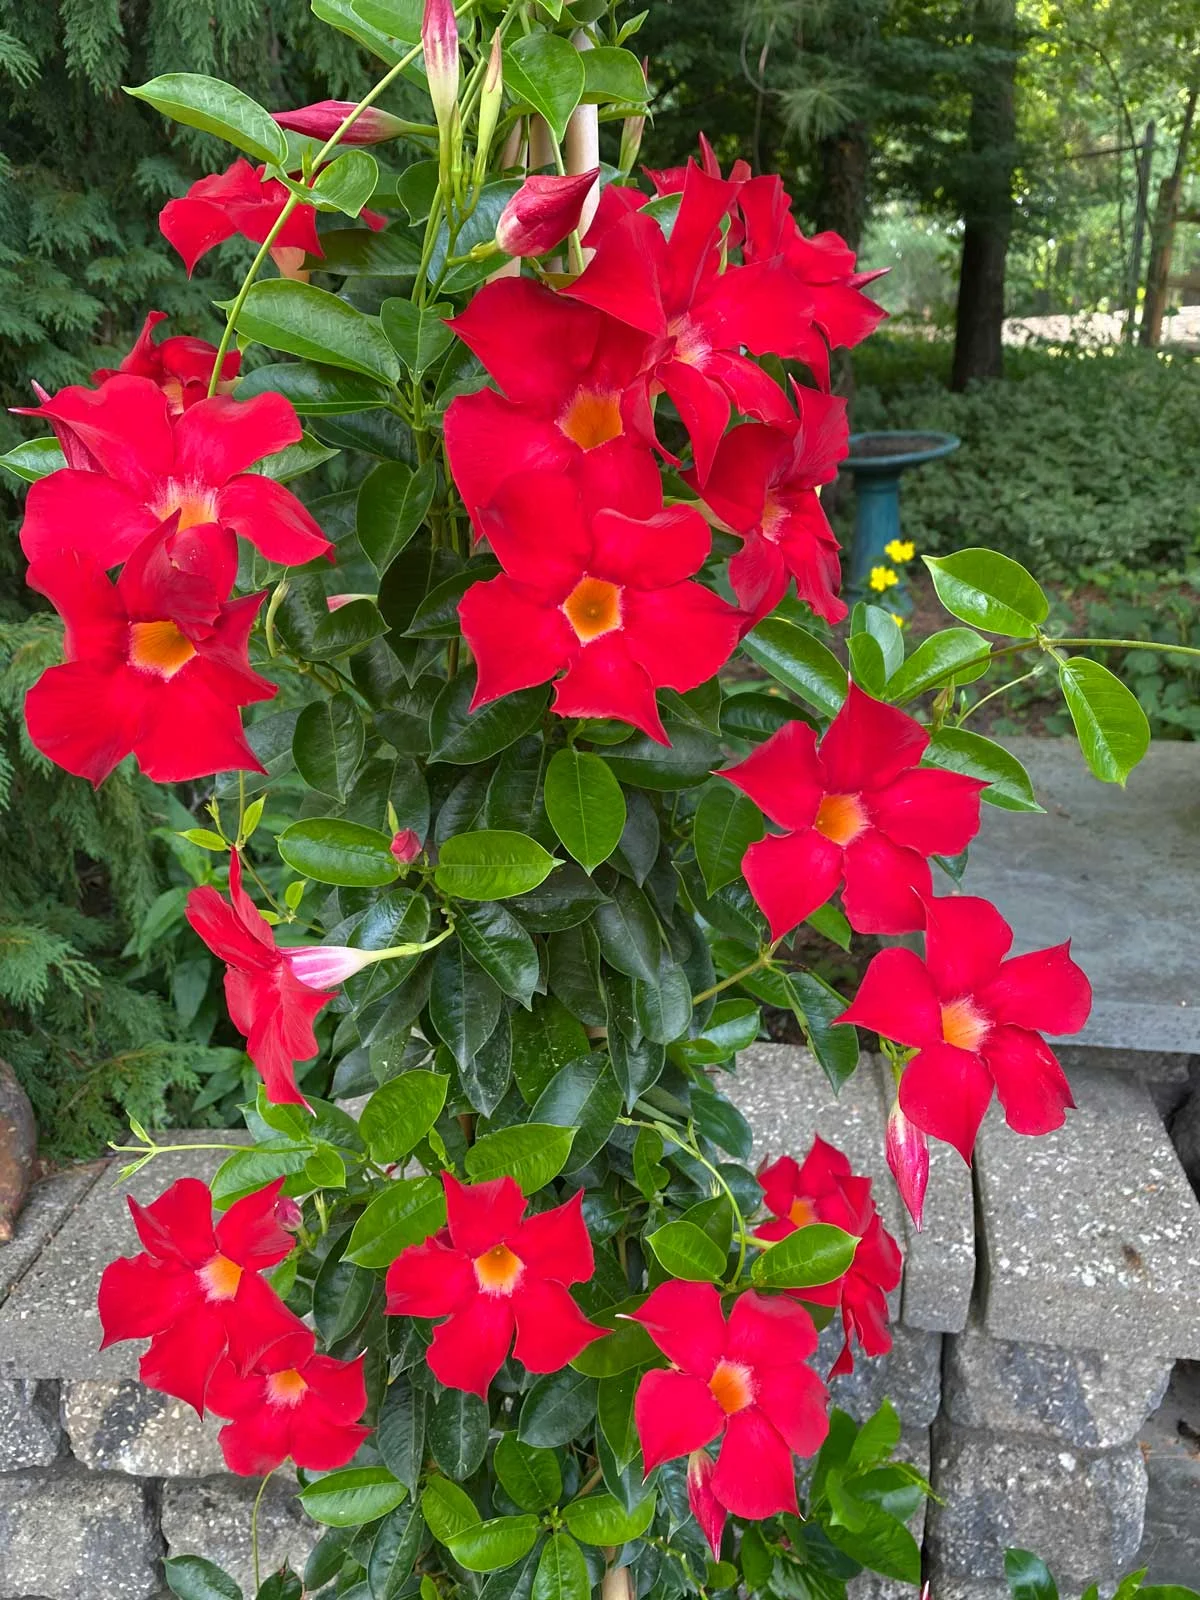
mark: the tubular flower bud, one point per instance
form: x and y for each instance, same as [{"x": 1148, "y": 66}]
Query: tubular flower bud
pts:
[
  {"x": 631, "y": 134},
  {"x": 489, "y": 110},
  {"x": 439, "y": 37},
  {"x": 325, "y": 117},
  {"x": 320, "y": 966},
  {"x": 405, "y": 846},
  {"x": 908, "y": 1157},
  {"x": 706, "y": 1508},
  {"x": 288, "y": 1214},
  {"x": 542, "y": 213}
]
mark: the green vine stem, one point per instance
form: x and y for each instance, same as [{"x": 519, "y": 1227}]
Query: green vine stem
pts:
[
  {"x": 1051, "y": 647},
  {"x": 262, "y": 1489}
]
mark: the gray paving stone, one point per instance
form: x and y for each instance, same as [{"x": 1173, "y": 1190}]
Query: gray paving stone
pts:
[
  {"x": 1090, "y": 1398},
  {"x": 48, "y": 1323},
  {"x": 212, "y": 1519},
  {"x": 786, "y": 1098},
  {"x": 1091, "y": 1234},
  {"x": 1171, "y": 1541},
  {"x": 77, "y": 1536},
  {"x": 1080, "y": 1510},
  {"x": 1115, "y": 870},
  {"x": 30, "y": 1432},
  {"x": 124, "y": 1427},
  {"x": 46, "y": 1208},
  {"x": 910, "y": 1376}
]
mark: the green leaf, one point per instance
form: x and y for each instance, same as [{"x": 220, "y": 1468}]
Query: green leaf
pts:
[
  {"x": 955, "y": 655},
  {"x": 34, "y": 459},
  {"x": 556, "y": 1408},
  {"x": 343, "y": 853},
  {"x": 801, "y": 663},
  {"x": 479, "y": 230},
  {"x": 464, "y": 1003},
  {"x": 529, "y": 1477},
  {"x": 562, "y": 1572},
  {"x": 399, "y": 18},
  {"x": 281, "y": 1585},
  {"x": 585, "y": 805},
  {"x": 400, "y": 1430},
  {"x": 393, "y": 502},
  {"x": 314, "y": 391},
  {"x": 876, "y": 1439},
  {"x": 602, "y": 1519},
  {"x": 726, "y": 824},
  {"x": 448, "y": 1510},
  {"x": 491, "y": 864},
  {"x": 389, "y": 1567},
  {"x": 958, "y": 750},
  {"x": 583, "y": 1097},
  {"x": 545, "y": 71},
  {"x": 348, "y": 182},
  {"x": 643, "y": 763},
  {"x": 328, "y": 743},
  {"x": 816, "y": 1004},
  {"x": 685, "y": 1251},
  {"x": 400, "y": 1113},
  {"x": 498, "y": 1543},
  {"x": 616, "y": 1414},
  {"x": 628, "y": 932},
  {"x": 247, "y": 1170},
  {"x": 533, "y": 1154},
  {"x": 486, "y": 1076},
  {"x": 882, "y": 627},
  {"x": 466, "y": 737},
  {"x": 193, "y": 1578},
  {"x": 611, "y": 74},
  {"x": 501, "y": 946},
  {"x": 1113, "y": 731},
  {"x": 394, "y": 252},
  {"x": 216, "y": 107},
  {"x": 302, "y": 320},
  {"x": 1028, "y": 1576},
  {"x": 295, "y": 459},
  {"x": 406, "y": 1212},
  {"x": 544, "y": 1040},
  {"x": 458, "y": 1433},
  {"x": 355, "y": 1495},
  {"x": 818, "y": 1253},
  {"x": 734, "y": 1025},
  {"x": 867, "y": 666},
  {"x": 990, "y": 591},
  {"x": 418, "y": 334}
]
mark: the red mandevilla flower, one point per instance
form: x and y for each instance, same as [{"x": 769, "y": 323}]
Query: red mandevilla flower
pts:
[
  {"x": 294, "y": 1403},
  {"x": 824, "y": 1189},
  {"x": 150, "y": 464},
  {"x": 493, "y": 1271},
  {"x": 542, "y": 213},
  {"x": 858, "y": 811},
  {"x": 976, "y": 1022},
  {"x": 325, "y": 117},
  {"x": 745, "y": 1382},
  {"x": 156, "y": 664},
  {"x": 180, "y": 366},
  {"x": 241, "y": 200},
  {"x": 763, "y": 485},
  {"x": 196, "y": 1291},
  {"x": 605, "y": 600},
  {"x": 267, "y": 1002}
]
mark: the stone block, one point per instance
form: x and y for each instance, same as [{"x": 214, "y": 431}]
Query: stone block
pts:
[
  {"x": 1090, "y": 1398},
  {"x": 48, "y": 1324},
  {"x": 211, "y": 1518},
  {"x": 124, "y": 1427},
  {"x": 77, "y": 1536},
  {"x": 1091, "y": 1234},
  {"x": 46, "y": 1208},
  {"x": 786, "y": 1098},
  {"x": 1080, "y": 1510},
  {"x": 30, "y": 1434},
  {"x": 1170, "y": 1443},
  {"x": 910, "y": 1375},
  {"x": 1117, "y": 872}
]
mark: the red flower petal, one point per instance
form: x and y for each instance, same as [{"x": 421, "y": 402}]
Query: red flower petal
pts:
[
  {"x": 259, "y": 1324},
  {"x": 469, "y": 1349},
  {"x": 685, "y": 1322},
  {"x": 780, "y": 1182},
  {"x": 869, "y": 745},
  {"x": 339, "y": 1386},
  {"x": 1044, "y": 990},
  {"x": 791, "y": 874},
  {"x": 83, "y": 718},
  {"x": 929, "y": 810},
  {"x": 257, "y": 1442},
  {"x": 782, "y": 777},
  {"x": 766, "y": 1333},
  {"x": 556, "y": 1243},
  {"x": 706, "y": 1508},
  {"x": 489, "y": 439},
  {"x": 178, "y": 1226},
  {"x": 946, "y": 1092},
  {"x": 1032, "y": 1087},
  {"x": 886, "y": 886},
  {"x": 682, "y": 636},
  {"x": 430, "y": 1280},
  {"x": 225, "y": 934},
  {"x": 249, "y": 1232},
  {"x": 125, "y": 425},
  {"x": 622, "y": 278},
  {"x": 482, "y": 1215},
  {"x": 181, "y": 1359},
  {"x": 897, "y": 999},
  {"x": 551, "y": 1329},
  {"x": 194, "y": 227},
  {"x": 319, "y": 1445},
  {"x": 603, "y": 680},
  {"x": 652, "y": 553},
  {"x": 516, "y": 525},
  {"x": 517, "y": 639},
  {"x": 221, "y": 437},
  {"x": 703, "y": 408},
  {"x": 795, "y": 1402},
  {"x": 966, "y": 939},
  {"x": 189, "y": 730},
  {"x": 282, "y": 1032},
  {"x": 535, "y": 343},
  {"x": 86, "y": 513},
  {"x": 755, "y": 1477},
  {"x": 271, "y": 518},
  {"x": 139, "y": 1297},
  {"x": 674, "y": 1413},
  {"x": 232, "y": 1395}
]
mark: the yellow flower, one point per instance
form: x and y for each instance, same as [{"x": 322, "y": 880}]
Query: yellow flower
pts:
[
  {"x": 900, "y": 550},
  {"x": 883, "y": 578},
  {"x": 897, "y": 619}
]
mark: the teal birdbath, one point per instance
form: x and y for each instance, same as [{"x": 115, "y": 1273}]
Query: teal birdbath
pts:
[{"x": 876, "y": 462}]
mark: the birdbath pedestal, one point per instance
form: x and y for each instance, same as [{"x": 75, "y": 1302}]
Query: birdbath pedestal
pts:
[{"x": 876, "y": 462}]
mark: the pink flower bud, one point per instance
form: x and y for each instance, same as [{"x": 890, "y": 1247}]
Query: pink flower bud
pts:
[
  {"x": 323, "y": 966},
  {"x": 439, "y": 37},
  {"x": 908, "y": 1157},
  {"x": 335, "y": 602},
  {"x": 288, "y": 1214},
  {"x": 324, "y": 118},
  {"x": 406, "y": 846},
  {"x": 542, "y": 213},
  {"x": 706, "y": 1508}
]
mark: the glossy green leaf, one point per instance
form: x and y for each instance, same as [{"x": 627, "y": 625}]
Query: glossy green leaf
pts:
[
  {"x": 327, "y": 745},
  {"x": 501, "y": 946},
  {"x": 343, "y": 853},
  {"x": 645, "y": 764},
  {"x": 219, "y": 108},
  {"x": 400, "y": 1113},
  {"x": 418, "y": 334},
  {"x": 628, "y": 932},
  {"x": 407, "y": 1211},
  {"x": 562, "y": 1572},
  {"x": 194, "y": 1578},
  {"x": 612, "y": 74},
  {"x": 663, "y": 1008},
  {"x": 399, "y": 18},
  {"x": 557, "y": 1408},
  {"x": 341, "y": 14},
  {"x": 684, "y": 1251},
  {"x": 1113, "y": 731},
  {"x": 393, "y": 502},
  {"x": 816, "y": 1005},
  {"x": 458, "y": 1433},
  {"x": 880, "y": 1541},
  {"x": 529, "y": 1477},
  {"x": 818, "y": 1253},
  {"x": 959, "y": 750},
  {"x": 602, "y": 1519},
  {"x": 544, "y": 1040},
  {"x": 348, "y": 182},
  {"x": 726, "y": 824},
  {"x": 465, "y": 737},
  {"x": 247, "y": 1170},
  {"x": 955, "y": 655},
  {"x": 400, "y": 1428},
  {"x": 33, "y": 459},
  {"x": 478, "y": 232},
  {"x": 394, "y": 1550},
  {"x": 582, "y": 1096},
  {"x": 1028, "y": 1576},
  {"x": 394, "y": 252},
  {"x": 533, "y": 1154},
  {"x": 314, "y": 390},
  {"x": 491, "y": 864},
  {"x": 585, "y": 805},
  {"x": 494, "y": 1544},
  {"x": 734, "y": 1025},
  {"x": 355, "y": 1495},
  {"x": 881, "y": 626},
  {"x": 990, "y": 591},
  {"x": 615, "y": 1413},
  {"x": 305, "y": 321},
  {"x": 447, "y": 1509},
  {"x": 545, "y": 71},
  {"x": 295, "y": 460},
  {"x": 799, "y": 661},
  {"x": 464, "y": 1003},
  {"x": 437, "y": 615}
]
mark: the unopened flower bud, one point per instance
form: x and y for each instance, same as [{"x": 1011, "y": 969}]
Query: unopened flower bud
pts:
[
  {"x": 288, "y": 1214},
  {"x": 325, "y": 117},
  {"x": 706, "y": 1508},
  {"x": 335, "y": 602},
  {"x": 908, "y": 1157},
  {"x": 631, "y": 134},
  {"x": 542, "y": 213},
  {"x": 322, "y": 966},
  {"x": 405, "y": 846},
  {"x": 489, "y": 110},
  {"x": 439, "y": 38}
]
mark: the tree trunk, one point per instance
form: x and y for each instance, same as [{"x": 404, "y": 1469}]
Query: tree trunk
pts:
[
  {"x": 841, "y": 203},
  {"x": 987, "y": 196},
  {"x": 1162, "y": 235}
]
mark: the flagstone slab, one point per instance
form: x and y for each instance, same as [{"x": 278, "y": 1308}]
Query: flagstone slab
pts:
[{"x": 47, "y": 1206}]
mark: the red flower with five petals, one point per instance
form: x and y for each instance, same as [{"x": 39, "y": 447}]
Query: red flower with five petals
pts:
[
  {"x": 824, "y": 1189},
  {"x": 744, "y": 1381},
  {"x": 267, "y": 1002},
  {"x": 241, "y": 200},
  {"x": 156, "y": 664},
  {"x": 150, "y": 464},
  {"x": 196, "y": 1291},
  {"x": 976, "y": 1021},
  {"x": 294, "y": 1403},
  {"x": 180, "y": 366},
  {"x": 604, "y": 599},
  {"x": 493, "y": 1271},
  {"x": 858, "y": 811}
]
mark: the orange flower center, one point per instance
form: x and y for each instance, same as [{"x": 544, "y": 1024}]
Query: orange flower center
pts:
[
  {"x": 498, "y": 1270},
  {"x": 592, "y": 417},
  {"x": 802, "y": 1212},
  {"x": 286, "y": 1388},
  {"x": 159, "y": 647},
  {"x": 963, "y": 1025},
  {"x": 195, "y": 503},
  {"x": 220, "y": 1278},
  {"x": 732, "y": 1386},
  {"x": 841, "y": 817},
  {"x": 593, "y": 607}
]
